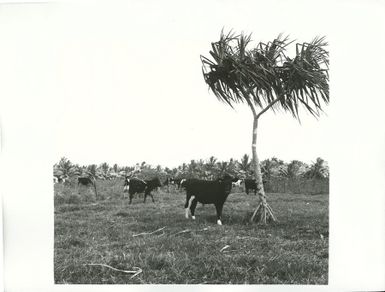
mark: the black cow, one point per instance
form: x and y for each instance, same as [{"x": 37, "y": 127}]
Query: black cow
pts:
[
  {"x": 86, "y": 181},
  {"x": 207, "y": 192},
  {"x": 250, "y": 184},
  {"x": 136, "y": 186},
  {"x": 167, "y": 183},
  {"x": 176, "y": 181}
]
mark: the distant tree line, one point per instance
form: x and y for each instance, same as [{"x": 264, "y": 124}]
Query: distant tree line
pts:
[{"x": 208, "y": 169}]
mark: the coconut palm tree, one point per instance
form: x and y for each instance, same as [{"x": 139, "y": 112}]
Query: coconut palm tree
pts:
[
  {"x": 64, "y": 168},
  {"x": 210, "y": 167},
  {"x": 232, "y": 168},
  {"x": 318, "y": 169},
  {"x": 244, "y": 165},
  {"x": 222, "y": 167},
  {"x": 295, "y": 169},
  {"x": 273, "y": 167},
  {"x": 92, "y": 170},
  {"x": 192, "y": 169},
  {"x": 266, "y": 79}
]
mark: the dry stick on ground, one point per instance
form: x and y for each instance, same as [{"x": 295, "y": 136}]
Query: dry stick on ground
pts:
[
  {"x": 147, "y": 233},
  {"x": 189, "y": 230},
  {"x": 137, "y": 272},
  {"x": 225, "y": 247},
  {"x": 183, "y": 231}
]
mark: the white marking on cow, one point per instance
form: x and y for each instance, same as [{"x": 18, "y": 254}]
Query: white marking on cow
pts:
[
  {"x": 191, "y": 199},
  {"x": 188, "y": 207},
  {"x": 193, "y": 217},
  {"x": 237, "y": 183},
  {"x": 219, "y": 222}
]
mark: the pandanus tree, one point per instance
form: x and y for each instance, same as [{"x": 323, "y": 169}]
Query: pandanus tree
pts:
[{"x": 265, "y": 78}]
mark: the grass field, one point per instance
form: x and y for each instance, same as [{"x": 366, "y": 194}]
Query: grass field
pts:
[{"x": 87, "y": 232}]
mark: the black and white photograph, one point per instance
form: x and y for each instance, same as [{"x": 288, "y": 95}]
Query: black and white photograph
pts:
[{"x": 208, "y": 142}]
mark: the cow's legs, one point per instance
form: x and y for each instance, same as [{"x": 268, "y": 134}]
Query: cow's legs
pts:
[
  {"x": 152, "y": 197},
  {"x": 126, "y": 189},
  {"x": 219, "y": 208},
  {"x": 189, "y": 200},
  {"x": 148, "y": 194},
  {"x": 131, "y": 195},
  {"x": 247, "y": 191},
  {"x": 192, "y": 208}
]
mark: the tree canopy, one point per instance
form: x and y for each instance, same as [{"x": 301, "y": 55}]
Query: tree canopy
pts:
[{"x": 263, "y": 76}]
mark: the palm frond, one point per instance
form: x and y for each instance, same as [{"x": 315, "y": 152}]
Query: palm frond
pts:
[{"x": 265, "y": 75}]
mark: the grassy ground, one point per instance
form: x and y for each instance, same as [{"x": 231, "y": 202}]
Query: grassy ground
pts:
[{"x": 292, "y": 251}]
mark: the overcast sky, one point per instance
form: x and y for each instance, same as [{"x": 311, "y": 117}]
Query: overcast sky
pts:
[
  {"x": 130, "y": 87},
  {"x": 123, "y": 82}
]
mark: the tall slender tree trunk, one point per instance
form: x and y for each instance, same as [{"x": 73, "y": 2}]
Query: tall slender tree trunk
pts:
[{"x": 263, "y": 212}]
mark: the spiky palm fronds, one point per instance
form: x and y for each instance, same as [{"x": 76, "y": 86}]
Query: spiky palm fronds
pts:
[
  {"x": 64, "y": 168},
  {"x": 318, "y": 169},
  {"x": 245, "y": 164},
  {"x": 265, "y": 77},
  {"x": 294, "y": 169}
]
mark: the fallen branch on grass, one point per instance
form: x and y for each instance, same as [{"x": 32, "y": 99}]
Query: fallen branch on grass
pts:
[
  {"x": 189, "y": 230},
  {"x": 137, "y": 272},
  {"x": 147, "y": 233},
  {"x": 225, "y": 247},
  {"x": 249, "y": 237},
  {"x": 183, "y": 231}
]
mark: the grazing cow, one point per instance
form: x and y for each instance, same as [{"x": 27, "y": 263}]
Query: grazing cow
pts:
[
  {"x": 87, "y": 181},
  {"x": 176, "y": 181},
  {"x": 207, "y": 192},
  {"x": 167, "y": 183},
  {"x": 250, "y": 185},
  {"x": 136, "y": 186}
]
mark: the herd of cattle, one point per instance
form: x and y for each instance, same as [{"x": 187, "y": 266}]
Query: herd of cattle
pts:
[{"x": 197, "y": 190}]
